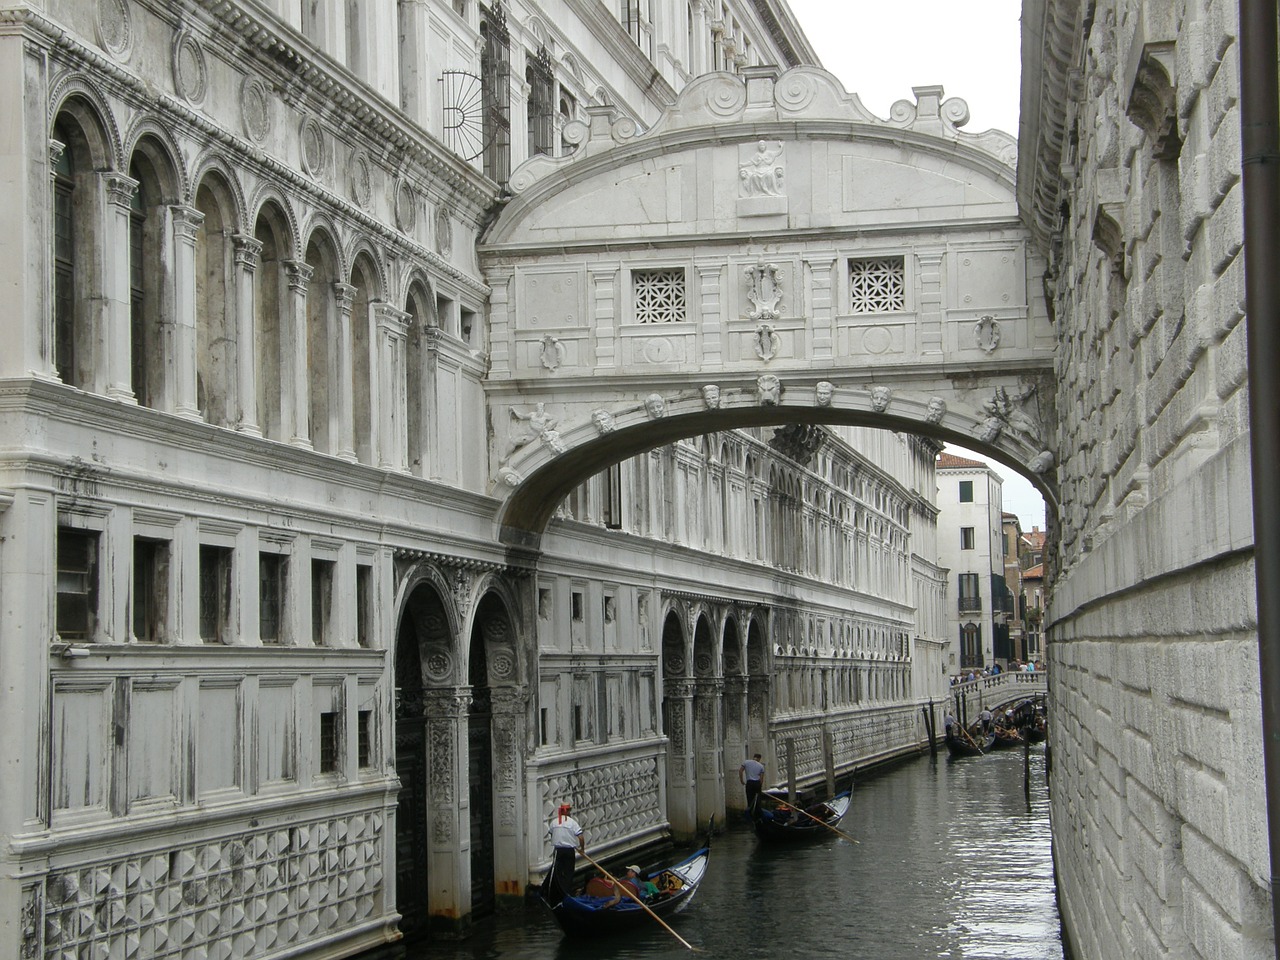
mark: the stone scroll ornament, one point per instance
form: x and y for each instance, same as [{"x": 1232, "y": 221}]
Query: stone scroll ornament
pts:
[
  {"x": 763, "y": 290},
  {"x": 767, "y": 342},
  {"x": 986, "y": 334}
]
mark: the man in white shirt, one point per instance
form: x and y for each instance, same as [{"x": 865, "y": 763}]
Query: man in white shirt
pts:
[
  {"x": 566, "y": 841},
  {"x": 751, "y": 776}
]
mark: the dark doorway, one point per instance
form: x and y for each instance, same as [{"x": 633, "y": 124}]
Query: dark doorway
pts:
[
  {"x": 411, "y": 766},
  {"x": 480, "y": 771}
]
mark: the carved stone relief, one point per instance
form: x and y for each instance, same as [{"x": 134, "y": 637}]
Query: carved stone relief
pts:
[
  {"x": 823, "y": 392},
  {"x": 115, "y": 28},
  {"x": 936, "y": 410},
  {"x": 761, "y": 174},
  {"x": 255, "y": 109},
  {"x": 314, "y": 149},
  {"x": 764, "y": 290},
  {"x": 444, "y": 230},
  {"x": 361, "y": 180},
  {"x": 880, "y": 399},
  {"x": 190, "y": 74},
  {"x": 711, "y": 396},
  {"x": 406, "y": 207},
  {"x": 537, "y": 422},
  {"x": 766, "y": 342},
  {"x": 768, "y": 390},
  {"x": 553, "y": 353},
  {"x": 655, "y": 406},
  {"x": 603, "y": 421},
  {"x": 986, "y": 334}
]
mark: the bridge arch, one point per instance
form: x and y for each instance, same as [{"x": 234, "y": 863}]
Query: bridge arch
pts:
[{"x": 768, "y": 253}]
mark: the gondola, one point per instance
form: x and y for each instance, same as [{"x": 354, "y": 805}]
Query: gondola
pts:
[
  {"x": 587, "y": 915},
  {"x": 1036, "y": 732},
  {"x": 1007, "y": 739},
  {"x": 975, "y": 745},
  {"x": 775, "y": 820}
]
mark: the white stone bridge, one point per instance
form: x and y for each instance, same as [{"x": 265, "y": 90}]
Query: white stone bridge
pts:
[{"x": 768, "y": 253}]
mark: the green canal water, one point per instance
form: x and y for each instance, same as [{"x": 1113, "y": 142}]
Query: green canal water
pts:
[{"x": 951, "y": 862}]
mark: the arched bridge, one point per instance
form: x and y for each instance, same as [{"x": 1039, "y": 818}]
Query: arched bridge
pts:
[{"x": 768, "y": 253}]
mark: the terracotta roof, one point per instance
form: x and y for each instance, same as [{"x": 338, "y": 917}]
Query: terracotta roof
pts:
[
  {"x": 1032, "y": 572},
  {"x": 951, "y": 460}
]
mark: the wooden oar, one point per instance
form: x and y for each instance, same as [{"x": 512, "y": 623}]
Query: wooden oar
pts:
[
  {"x": 619, "y": 885},
  {"x": 968, "y": 736},
  {"x": 818, "y": 820}
]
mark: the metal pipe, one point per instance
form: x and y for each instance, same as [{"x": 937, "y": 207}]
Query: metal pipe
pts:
[{"x": 1260, "y": 166}]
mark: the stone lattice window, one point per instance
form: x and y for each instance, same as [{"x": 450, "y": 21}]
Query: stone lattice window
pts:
[
  {"x": 877, "y": 286},
  {"x": 660, "y": 295}
]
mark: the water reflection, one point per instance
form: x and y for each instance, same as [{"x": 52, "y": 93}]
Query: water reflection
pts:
[{"x": 950, "y": 862}]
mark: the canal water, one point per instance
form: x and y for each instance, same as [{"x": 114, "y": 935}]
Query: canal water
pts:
[{"x": 950, "y": 863}]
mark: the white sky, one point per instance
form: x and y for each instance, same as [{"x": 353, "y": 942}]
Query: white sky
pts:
[{"x": 880, "y": 49}]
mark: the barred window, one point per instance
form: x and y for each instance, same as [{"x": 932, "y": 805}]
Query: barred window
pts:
[
  {"x": 659, "y": 295},
  {"x": 877, "y": 286}
]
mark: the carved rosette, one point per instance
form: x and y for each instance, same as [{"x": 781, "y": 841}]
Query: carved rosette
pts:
[
  {"x": 361, "y": 175},
  {"x": 190, "y": 73},
  {"x": 313, "y": 147},
  {"x": 115, "y": 28},
  {"x": 406, "y": 207},
  {"x": 255, "y": 109},
  {"x": 444, "y": 230}
]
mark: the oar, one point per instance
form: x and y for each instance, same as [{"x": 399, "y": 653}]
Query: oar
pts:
[
  {"x": 619, "y": 885},
  {"x": 817, "y": 820},
  {"x": 969, "y": 737}
]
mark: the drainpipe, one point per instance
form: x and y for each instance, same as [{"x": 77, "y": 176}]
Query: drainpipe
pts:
[{"x": 1260, "y": 164}]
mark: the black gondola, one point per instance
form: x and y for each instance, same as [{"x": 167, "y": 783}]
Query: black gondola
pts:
[
  {"x": 587, "y": 915},
  {"x": 774, "y": 818},
  {"x": 974, "y": 745},
  {"x": 1007, "y": 738}
]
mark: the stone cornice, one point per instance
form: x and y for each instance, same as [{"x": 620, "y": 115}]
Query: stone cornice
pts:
[
  {"x": 786, "y": 32},
  {"x": 1050, "y": 33}
]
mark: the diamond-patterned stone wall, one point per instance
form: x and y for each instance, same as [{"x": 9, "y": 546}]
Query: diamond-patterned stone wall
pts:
[
  {"x": 236, "y": 897},
  {"x": 612, "y": 800}
]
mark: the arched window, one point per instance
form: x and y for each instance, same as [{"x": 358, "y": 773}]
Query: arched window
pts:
[
  {"x": 363, "y": 338},
  {"x": 420, "y": 307},
  {"x": 270, "y": 304},
  {"x": 215, "y": 304},
  {"x": 77, "y": 284},
  {"x": 321, "y": 340},
  {"x": 150, "y": 258}
]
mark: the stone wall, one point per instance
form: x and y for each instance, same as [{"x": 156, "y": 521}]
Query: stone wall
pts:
[{"x": 1130, "y": 175}]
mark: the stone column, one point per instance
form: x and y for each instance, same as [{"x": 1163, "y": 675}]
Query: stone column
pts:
[
  {"x": 340, "y": 378},
  {"x": 247, "y": 251},
  {"x": 677, "y": 701},
  {"x": 116, "y": 333},
  {"x": 448, "y": 824},
  {"x": 294, "y": 411},
  {"x": 40, "y": 352},
  {"x": 736, "y": 747},
  {"x": 510, "y": 858},
  {"x": 708, "y": 744},
  {"x": 822, "y": 306},
  {"x": 430, "y": 403},
  {"x": 389, "y": 386},
  {"x": 186, "y": 221}
]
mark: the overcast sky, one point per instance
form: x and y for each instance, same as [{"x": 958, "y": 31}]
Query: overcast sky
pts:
[{"x": 880, "y": 50}]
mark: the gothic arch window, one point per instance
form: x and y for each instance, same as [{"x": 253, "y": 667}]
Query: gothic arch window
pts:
[
  {"x": 150, "y": 299},
  {"x": 321, "y": 343},
  {"x": 363, "y": 338},
  {"x": 215, "y": 303},
  {"x": 270, "y": 300},
  {"x": 76, "y": 233}
]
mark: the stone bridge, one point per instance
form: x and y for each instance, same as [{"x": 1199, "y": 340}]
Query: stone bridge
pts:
[
  {"x": 768, "y": 253},
  {"x": 1001, "y": 690}
]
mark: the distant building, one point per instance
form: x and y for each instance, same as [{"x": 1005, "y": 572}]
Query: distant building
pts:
[
  {"x": 1012, "y": 540},
  {"x": 971, "y": 546}
]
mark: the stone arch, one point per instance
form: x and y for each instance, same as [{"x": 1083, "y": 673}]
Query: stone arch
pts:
[
  {"x": 323, "y": 376},
  {"x": 678, "y": 720},
  {"x": 79, "y": 97},
  {"x": 212, "y": 167},
  {"x": 215, "y": 197},
  {"x": 424, "y": 659},
  {"x": 367, "y": 287},
  {"x": 159, "y": 176},
  {"x": 420, "y": 387},
  {"x": 272, "y": 305},
  {"x": 270, "y": 197}
]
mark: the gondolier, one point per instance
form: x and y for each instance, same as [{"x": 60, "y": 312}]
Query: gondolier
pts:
[
  {"x": 751, "y": 775},
  {"x": 567, "y": 842}
]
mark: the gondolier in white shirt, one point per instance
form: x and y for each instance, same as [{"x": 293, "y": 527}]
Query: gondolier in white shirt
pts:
[
  {"x": 566, "y": 842},
  {"x": 751, "y": 775}
]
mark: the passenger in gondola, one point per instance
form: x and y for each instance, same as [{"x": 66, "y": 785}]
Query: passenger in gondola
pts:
[{"x": 647, "y": 887}]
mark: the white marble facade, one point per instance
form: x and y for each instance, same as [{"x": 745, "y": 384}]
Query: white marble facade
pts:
[{"x": 260, "y": 639}]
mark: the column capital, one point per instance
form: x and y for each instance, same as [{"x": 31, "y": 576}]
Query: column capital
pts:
[
  {"x": 298, "y": 275},
  {"x": 120, "y": 188},
  {"x": 390, "y": 319},
  {"x": 56, "y": 149},
  {"x": 345, "y": 295},
  {"x": 186, "y": 221},
  {"x": 444, "y": 703},
  {"x": 247, "y": 250}
]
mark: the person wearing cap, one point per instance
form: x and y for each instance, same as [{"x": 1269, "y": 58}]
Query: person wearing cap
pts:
[
  {"x": 566, "y": 841},
  {"x": 647, "y": 888}
]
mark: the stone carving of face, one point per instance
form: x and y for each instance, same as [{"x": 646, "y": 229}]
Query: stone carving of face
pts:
[
  {"x": 711, "y": 396},
  {"x": 769, "y": 389},
  {"x": 823, "y": 391},
  {"x": 655, "y": 406},
  {"x": 936, "y": 410},
  {"x": 1041, "y": 462},
  {"x": 603, "y": 421},
  {"x": 991, "y": 429},
  {"x": 880, "y": 397}
]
